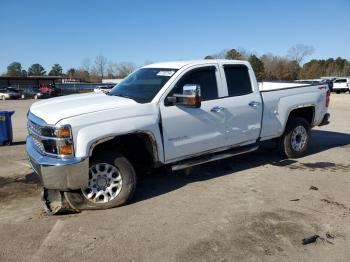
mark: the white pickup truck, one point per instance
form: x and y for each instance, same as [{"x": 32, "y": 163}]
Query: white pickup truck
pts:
[
  {"x": 88, "y": 149},
  {"x": 341, "y": 85}
]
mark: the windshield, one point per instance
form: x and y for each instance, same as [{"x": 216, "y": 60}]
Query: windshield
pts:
[{"x": 143, "y": 85}]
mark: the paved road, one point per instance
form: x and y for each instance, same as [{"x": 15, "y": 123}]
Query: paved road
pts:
[{"x": 234, "y": 210}]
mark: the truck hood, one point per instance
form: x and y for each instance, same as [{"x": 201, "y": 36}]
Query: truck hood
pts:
[{"x": 55, "y": 109}]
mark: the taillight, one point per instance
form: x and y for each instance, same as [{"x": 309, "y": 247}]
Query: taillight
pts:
[{"x": 328, "y": 98}]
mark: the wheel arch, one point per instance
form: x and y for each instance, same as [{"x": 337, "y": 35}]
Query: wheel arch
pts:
[
  {"x": 134, "y": 144},
  {"x": 307, "y": 112}
]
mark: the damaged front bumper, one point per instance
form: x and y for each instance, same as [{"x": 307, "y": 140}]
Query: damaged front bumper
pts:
[{"x": 57, "y": 175}]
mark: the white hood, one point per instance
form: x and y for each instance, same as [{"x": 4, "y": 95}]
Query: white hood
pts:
[{"x": 55, "y": 109}]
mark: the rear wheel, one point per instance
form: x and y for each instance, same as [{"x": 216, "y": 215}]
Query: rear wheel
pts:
[
  {"x": 112, "y": 183},
  {"x": 296, "y": 138}
]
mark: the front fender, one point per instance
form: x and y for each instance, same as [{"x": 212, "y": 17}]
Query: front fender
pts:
[{"x": 87, "y": 132}]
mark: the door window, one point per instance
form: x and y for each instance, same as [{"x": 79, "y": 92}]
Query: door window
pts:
[
  {"x": 238, "y": 81},
  {"x": 204, "y": 77}
]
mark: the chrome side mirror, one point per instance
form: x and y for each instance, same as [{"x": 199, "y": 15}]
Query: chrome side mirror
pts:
[{"x": 190, "y": 97}]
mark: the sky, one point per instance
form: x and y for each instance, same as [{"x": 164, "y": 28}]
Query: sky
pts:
[{"x": 68, "y": 32}]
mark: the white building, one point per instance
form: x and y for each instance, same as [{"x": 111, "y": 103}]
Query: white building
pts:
[{"x": 111, "y": 81}]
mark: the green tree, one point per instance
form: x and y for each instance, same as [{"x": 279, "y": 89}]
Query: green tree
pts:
[
  {"x": 24, "y": 72},
  {"x": 56, "y": 70},
  {"x": 258, "y": 67},
  {"x": 209, "y": 57},
  {"x": 71, "y": 72},
  {"x": 14, "y": 69},
  {"x": 233, "y": 54},
  {"x": 36, "y": 70}
]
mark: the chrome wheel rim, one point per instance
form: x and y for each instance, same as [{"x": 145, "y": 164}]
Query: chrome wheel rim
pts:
[
  {"x": 105, "y": 183},
  {"x": 299, "y": 138}
]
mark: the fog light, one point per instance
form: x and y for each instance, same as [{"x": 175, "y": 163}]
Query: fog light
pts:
[{"x": 65, "y": 150}]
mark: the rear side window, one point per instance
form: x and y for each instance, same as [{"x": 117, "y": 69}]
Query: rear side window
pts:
[
  {"x": 205, "y": 78},
  {"x": 341, "y": 81},
  {"x": 238, "y": 81}
]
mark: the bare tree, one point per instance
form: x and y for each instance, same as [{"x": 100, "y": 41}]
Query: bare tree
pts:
[
  {"x": 148, "y": 62},
  {"x": 125, "y": 69},
  {"x": 86, "y": 64},
  {"x": 101, "y": 63},
  {"x": 112, "y": 69},
  {"x": 299, "y": 52},
  {"x": 219, "y": 55},
  {"x": 244, "y": 53}
]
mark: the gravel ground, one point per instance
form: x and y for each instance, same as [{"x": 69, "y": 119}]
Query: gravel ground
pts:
[{"x": 257, "y": 207}]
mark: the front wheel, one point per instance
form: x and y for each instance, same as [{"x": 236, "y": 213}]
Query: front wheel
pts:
[
  {"x": 296, "y": 138},
  {"x": 112, "y": 183}
]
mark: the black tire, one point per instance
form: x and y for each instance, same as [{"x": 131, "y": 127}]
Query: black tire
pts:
[
  {"x": 128, "y": 176},
  {"x": 285, "y": 143}
]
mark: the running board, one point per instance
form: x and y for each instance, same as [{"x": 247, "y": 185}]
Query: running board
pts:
[{"x": 212, "y": 157}]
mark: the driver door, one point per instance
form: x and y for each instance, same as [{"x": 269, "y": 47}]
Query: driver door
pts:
[{"x": 191, "y": 131}]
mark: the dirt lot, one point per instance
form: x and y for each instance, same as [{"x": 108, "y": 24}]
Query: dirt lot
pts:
[{"x": 257, "y": 207}]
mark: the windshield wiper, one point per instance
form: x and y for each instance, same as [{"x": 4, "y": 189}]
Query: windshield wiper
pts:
[{"x": 121, "y": 95}]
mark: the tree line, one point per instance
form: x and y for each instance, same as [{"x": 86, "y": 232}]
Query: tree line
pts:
[
  {"x": 87, "y": 72},
  {"x": 266, "y": 66},
  {"x": 289, "y": 67}
]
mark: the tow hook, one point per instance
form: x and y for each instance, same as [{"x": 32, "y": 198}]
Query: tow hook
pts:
[{"x": 55, "y": 203}]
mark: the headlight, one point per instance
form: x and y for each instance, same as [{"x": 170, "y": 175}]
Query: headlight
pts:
[{"x": 51, "y": 140}]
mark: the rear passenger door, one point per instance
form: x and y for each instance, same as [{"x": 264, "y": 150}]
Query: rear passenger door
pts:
[{"x": 242, "y": 105}]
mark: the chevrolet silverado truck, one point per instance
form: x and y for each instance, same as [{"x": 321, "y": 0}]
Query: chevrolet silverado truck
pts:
[{"x": 88, "y": 149}]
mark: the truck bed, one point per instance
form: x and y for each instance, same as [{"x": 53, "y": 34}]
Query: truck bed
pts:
[
  {"x": 280, "y": 98},
  {"x": 269, "y": 86}
]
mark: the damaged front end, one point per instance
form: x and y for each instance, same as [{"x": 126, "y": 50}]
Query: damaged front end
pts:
[
  {"x": 55, "y": 203},
  {"x": 57, "y": 174}
]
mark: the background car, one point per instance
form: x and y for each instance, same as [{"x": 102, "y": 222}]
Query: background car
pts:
[
  {"x": 31, "y": 92},
  {"x": 48, "y": 91},
  {"x": 9, "y": 93},
  {"x": 103, "y": 89}
]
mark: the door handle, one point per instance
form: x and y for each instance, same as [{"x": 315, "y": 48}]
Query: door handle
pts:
[
  {"x": 217, "y": 109},
  {"x": 254, "y": 104}
]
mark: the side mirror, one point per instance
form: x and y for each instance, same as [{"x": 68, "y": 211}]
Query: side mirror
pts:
[{"x": 191, "y": 96}]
